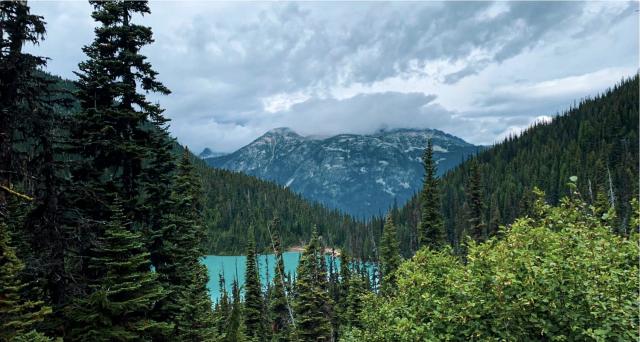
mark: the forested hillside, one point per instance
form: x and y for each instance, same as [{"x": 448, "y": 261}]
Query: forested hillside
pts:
[
  {"x": 235, "y": 202},
  {"x": 596, "y": 140}
]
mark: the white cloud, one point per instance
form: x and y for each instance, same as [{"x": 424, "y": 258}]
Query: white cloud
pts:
[
  {"x": 478, "y": 70},
  {"x": 496, "y": 9},
  {"x": 283, "y": 101}
]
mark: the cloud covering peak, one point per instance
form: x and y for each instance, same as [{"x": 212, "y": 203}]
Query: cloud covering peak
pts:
[{"x": 478, "y": 70}]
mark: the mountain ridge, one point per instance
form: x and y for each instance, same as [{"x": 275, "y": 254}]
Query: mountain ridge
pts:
[
  {"x": 360, "y": 174},
  {"x": 594, "y": 139}
]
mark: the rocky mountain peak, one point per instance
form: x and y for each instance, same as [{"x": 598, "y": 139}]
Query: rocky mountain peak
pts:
[
  {"x": 208, "y": 153},
  {"x": 362, "y": 174}
]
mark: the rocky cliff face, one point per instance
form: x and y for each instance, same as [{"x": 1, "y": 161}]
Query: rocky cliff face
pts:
[{"x": 360, "y": 174}]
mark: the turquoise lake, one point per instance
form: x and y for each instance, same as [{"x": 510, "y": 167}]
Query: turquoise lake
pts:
[{"x": 233, "y": 267}]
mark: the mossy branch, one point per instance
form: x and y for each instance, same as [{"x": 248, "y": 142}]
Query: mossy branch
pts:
[{"x": 15, "y": 193}]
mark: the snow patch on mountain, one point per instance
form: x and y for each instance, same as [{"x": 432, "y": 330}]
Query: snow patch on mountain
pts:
[
  {"x": 359, "y": 174},
  {"x": 289, "y": 182},
  {"x": 437, "y": 148}
]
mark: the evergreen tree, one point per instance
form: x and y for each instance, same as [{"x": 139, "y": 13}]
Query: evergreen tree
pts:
[
  {"x": 235, "y": 330},
  {"x": 222, "y": 311},
  {"x": 195, "y": 321},
  {"x": 113, "y": 126},
  {"x": 431, "y": 228},
  {"x": 110, "y": 137},
  {"x": 340, "y": 287},
  {"x": 157, "y": 204},
  {"x": 124, "y": 292},
  {"x": 253, "y": 305},
  {"x": 345, "y": 276},
  {"x": 280, "y": 315},
  {"x": 312, "y": 305},
  {"x": 475, "y": 200},
  {"x": 189, "y": 305},
  {"x": 17, "y": 27},
  {"x": 334, "y": 295},
  {"x": 389, "y": 257},
  {"x": 495, "y": 218},
  {"x": 357, "y": 289},
  {"x": 29, "y": 106},
  {"x": 18, "y": 316}
]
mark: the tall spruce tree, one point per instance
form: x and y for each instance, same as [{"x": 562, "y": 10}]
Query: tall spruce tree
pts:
[
  {"x": 494, "y": 218},
  {"x": 280, "y": 315},
  {"x": 29, "y": 140},
  {"x": 312, "y": 303},
  {"x": 390, "y": 258},
  {"x": 431, "y": 228},
  {"x": 157, "y": 204},
  {"x": 196, "y": 321},
  {"x": 113, "y": 127},
  {"x": 17, "y": 71},
  {"x": 222, "y": 310},
  {"x": 112, "y": 130},
  {"x": 235, "y": 330},
  {"x": 334, "y": 294},
  {"x": 340, "y": 286},
  {"x": 357, "y": 289},
  {"x": 345, "y": 276},
  {"x": 111, "y": 136},
  {"x": 124, "y": 292},
  {"x": 475, "y": 200},
  {"x": 179, "y": 270},
  {"x": 253, "y": 304}
]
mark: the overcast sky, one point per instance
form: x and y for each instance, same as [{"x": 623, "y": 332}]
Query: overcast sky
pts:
[{"x": 478, "y": 70}]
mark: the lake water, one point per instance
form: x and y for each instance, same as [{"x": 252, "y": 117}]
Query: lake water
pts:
[{"x": 233, "y": 267}]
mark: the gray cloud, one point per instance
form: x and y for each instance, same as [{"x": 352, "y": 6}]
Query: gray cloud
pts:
[
  {"x": 365, "y": 113},
  {"x": 239, "y": 69}
]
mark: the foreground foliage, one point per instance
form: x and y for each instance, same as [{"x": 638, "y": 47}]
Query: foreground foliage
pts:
[
  {"x": 557, "y": 275},
  {"x": 101, "y": 230}
]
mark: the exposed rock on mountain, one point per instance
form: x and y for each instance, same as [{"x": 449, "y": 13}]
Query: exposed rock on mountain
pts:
[{"x": 360, "y": 174}]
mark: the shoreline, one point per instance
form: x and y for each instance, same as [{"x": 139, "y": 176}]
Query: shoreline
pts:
[
  {"x": 327, "y": 250},
  {"x": 296, "y": 249}
]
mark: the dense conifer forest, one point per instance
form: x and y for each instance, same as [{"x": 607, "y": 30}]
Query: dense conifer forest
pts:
[
  {"x": 236, "y": 202},
  {"x": 596, "y": 140},
  {"x": 104, "y": 221}
]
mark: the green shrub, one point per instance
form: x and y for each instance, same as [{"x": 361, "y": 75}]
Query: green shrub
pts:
[{"x": 558, "y": 276}]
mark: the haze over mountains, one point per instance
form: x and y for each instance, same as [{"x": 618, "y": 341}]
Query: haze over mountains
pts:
[{"x": 362, "y": 175}]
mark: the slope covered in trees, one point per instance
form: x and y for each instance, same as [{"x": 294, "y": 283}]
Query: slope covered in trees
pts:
[
  {"x": 596, "y": 140},
  {"x": 234, "y": 202},
  {"x": 558, "y": 274}
]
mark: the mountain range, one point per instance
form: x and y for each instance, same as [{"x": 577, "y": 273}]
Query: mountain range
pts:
[{"x": 360, "y": 174}]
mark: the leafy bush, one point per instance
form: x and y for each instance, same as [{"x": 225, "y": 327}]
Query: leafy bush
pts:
[{"x": 560, "y": 275}]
